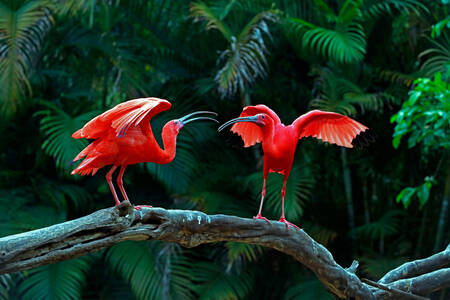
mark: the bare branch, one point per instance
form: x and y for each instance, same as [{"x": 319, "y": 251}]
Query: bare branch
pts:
[
  {"x": 423, "y": 284},
  {"x": 394, "y": 291},
  {"x": 188, "y": 228},
  {"x": 418, "y": 267},
  {"x": 109, "y": 226}
]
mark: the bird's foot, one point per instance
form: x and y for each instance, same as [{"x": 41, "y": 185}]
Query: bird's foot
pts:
[
  {"x": 283, "y": 220},
  {"x": 260, "y": 217},
  {"x": 139, "y": 207}
]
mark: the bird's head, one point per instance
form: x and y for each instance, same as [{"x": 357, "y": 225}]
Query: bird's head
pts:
[
  {"x": 177, "y": 124},
  {"x": 258, "y": 119}
]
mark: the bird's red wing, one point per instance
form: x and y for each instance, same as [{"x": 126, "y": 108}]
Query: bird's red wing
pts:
[
  {"x": 123, "y": 116},
  {"x": 250, "y": 132},
  {"x": 329, "y": 127}
]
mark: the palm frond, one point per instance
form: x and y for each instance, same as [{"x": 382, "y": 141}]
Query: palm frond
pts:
[
  {"x": 377, "y": 8},
  {"x": 387, "y": 225},
  {"x": 214, "y": 283},
  {"x": 22, "y": 34},
  {"x": 245, "y": 59},
  {"x": 320, "y": 233},
  {"x": 341, "y": 95},
  {"x": 153, "y": 270},
  {"x": 378, "y": 265},
  {"x": 58, "y": 127},
  {"x": 240, "y": 251},
  {"x": 344, "y": 44},
  {"x": 438, "y": 57},
  {"x": 202, "y": 12},
  {"x": 308, "y": 289},
  {"x": 64, "y": 280},
  {"x": 6, "y": 284}
]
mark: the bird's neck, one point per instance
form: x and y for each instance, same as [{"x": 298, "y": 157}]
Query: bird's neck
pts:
[
  {"x": 169, "y": 138},
  {"x": 268, "y": 132}
]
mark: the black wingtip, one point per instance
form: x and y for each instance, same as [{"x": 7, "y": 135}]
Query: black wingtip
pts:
[{"x": 364, "y": 139}]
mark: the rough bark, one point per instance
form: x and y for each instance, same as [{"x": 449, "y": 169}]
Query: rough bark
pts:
[{"x": 188, "y": 228}]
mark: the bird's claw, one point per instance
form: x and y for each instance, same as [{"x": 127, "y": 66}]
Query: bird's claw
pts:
[
  {"x": 139, "y": 207},
  {"x": 283, "y": 220},
  {"x": 260, "y": 217}
]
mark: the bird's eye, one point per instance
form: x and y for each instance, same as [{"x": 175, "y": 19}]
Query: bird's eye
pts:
[{"x": 263, "y": 117}]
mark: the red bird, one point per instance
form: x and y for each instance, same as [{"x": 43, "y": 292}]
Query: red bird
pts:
[
  {"x": 260, "y": 124},
  {"x": 123, "y": 136}
]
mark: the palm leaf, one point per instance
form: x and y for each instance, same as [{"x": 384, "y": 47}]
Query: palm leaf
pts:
[
  {"x": 240, "y": 251},
  {"x": 377, "y": 8},
  {"x": 201, "y": 12},
  {"x": 438, "y": 57},
  {"x": 308, "y": 289},
  {"x": 245, "y": 59},
  {"x": 214, "y": 283},
  {"x": 58, "y": 127},
  {"x": 153, "y": 271},
  {"x": 378, "y": 265},
  {"x": 64, "y": 280},
  {"x": 338, "y": 94},
  {"x": 6, "y": 284},
  {"x": 21, "y": 37},
  {"x": 387, "y": 225},
  {"x": 344, "y": 44}
]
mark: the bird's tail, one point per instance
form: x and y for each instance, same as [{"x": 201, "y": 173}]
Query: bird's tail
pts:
[{"x": 85, "y": 167}]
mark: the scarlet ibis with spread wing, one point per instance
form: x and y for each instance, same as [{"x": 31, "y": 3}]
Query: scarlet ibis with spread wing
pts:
[
  {"x": 123, "y": 136},
  {"x": 260, "y": 124}
]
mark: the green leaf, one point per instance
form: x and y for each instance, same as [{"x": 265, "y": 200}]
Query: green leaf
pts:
[
  {"x": 405, "y": 196},
  {"x": 58, "y": 127},
  {"x": 64, "y": 280}
]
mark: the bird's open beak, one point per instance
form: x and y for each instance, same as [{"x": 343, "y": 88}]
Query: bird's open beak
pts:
[
  {"x": 184, "y": 120},
  {"x": 253, "y": 119}
]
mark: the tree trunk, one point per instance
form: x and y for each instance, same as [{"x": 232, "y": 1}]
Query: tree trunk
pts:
[
  {"x": 348, "y": 190},
  {"x": 443, "y": 215}
]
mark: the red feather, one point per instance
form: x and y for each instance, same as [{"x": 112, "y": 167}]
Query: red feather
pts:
[
  {"x": 249, "y": 132},
  {"x": 122, "y": 116},
  {"x": 329, "y": 127}
]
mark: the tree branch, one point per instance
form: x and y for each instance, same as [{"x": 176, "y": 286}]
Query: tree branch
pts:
[
  {"x": 418, "y": 267},
  {"x": 109, "y": 226}
]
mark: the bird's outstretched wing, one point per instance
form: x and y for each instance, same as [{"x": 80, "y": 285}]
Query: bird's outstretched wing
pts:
[
  {"x": 328, "y": 126},
  {"x": 250, "y": 132},
  {"x": 123, "y": 116}
]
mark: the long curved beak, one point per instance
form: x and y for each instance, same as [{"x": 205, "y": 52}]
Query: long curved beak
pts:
[
  {"x": 184, "y": 120},
  {"x": 253, "y": 119}
]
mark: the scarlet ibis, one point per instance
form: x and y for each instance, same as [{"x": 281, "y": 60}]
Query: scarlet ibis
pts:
[
  {"x": 260, "y": 124},
  {"x": 123, "y": 136}
]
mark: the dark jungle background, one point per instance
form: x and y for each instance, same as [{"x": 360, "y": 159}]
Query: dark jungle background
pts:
[{"x": 385, "y": 63}]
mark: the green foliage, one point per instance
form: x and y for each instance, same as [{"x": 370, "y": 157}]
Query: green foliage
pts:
[
  {"x": 425, "y": 116},
  {"x": 422, "y": 192},
  {"x": 214, "y": 283},
  {"x": 387, "y": 225},
  {"x": 245, "y": 59},
  {"x": 23, "y": 30},
  {"x": 153, "y": 271},
  {"x": 58, "y": 127},
  {"x": 376, "y": 265},
  {"x": 64, "y": 280},
  {"x": 307, "y": 289}
]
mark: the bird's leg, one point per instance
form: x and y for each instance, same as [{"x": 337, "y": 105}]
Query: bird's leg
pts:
[
  {"x": 120, "y": 183},
  {"x": 282, "y": 218},
  {"x": 263, "y": 194},
  {"x": 111, "y": 186}
]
